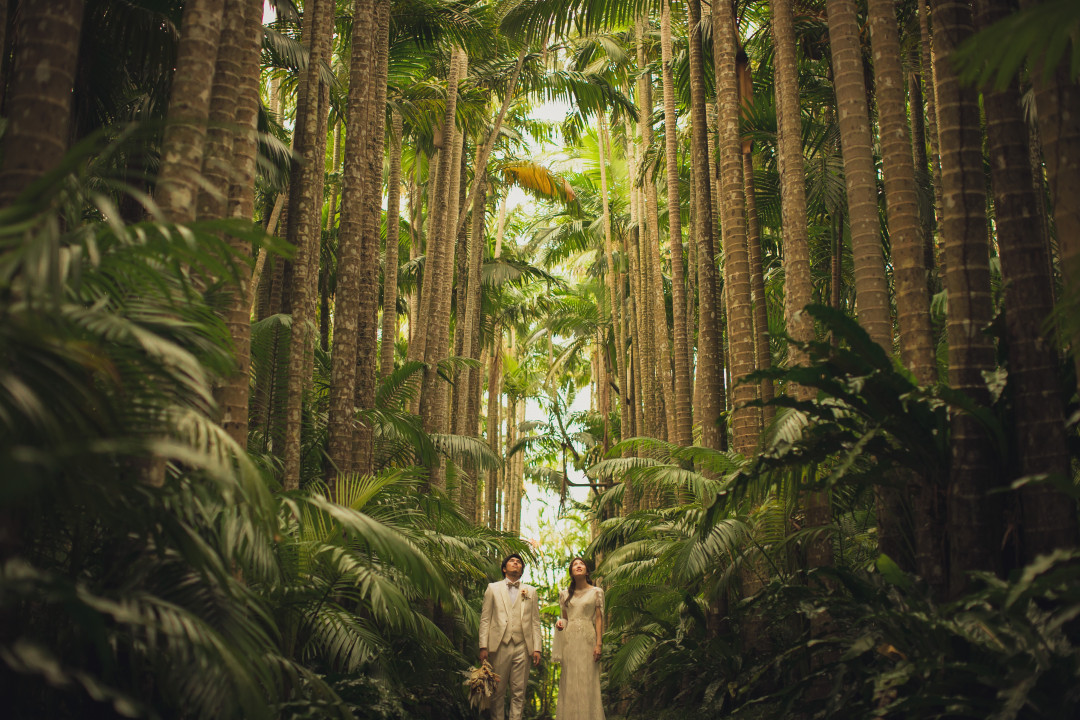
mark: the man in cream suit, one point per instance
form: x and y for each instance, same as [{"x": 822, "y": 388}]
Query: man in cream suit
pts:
[{"x": 510, "y": 634}]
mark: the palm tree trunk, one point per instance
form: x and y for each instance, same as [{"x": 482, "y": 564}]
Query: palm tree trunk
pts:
[
  {"x": 307, "y": 177},
  {"x": 746, "y": 421},
  {"x": 1058, "y": 101},
  {"x": 798, "y": 289},
  {"x": 762, "y": 346},
  {"x": 390, "y": 262},
  {"x": 709, "y": 380},
  {"x": 354, "y": 185},
  {"x": 367, "y": 343},
  {"x": 1049, "y": 516},
  {"x": 871, "y": 288},
  {"x": 441, "y": 245},
  {"x": 611, "y": 275},
  {"x": 235, "y": 390},
  {"x": 184, "y": 142},
  {"x": 926, "y": 46},
  {"x": 680, "y": 402},
  {"x": 908, "y": 258},
  {"x": 972, "y": 521},
  {"x": 491, "y": 486},
  {"x": 796, "y": 237},
  {"x": 336, "y": 165}
]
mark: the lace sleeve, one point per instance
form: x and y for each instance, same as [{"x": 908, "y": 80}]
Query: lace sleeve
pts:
[
  {"x": 600, "y": 600},
  {"x": 563, "y": 595}
]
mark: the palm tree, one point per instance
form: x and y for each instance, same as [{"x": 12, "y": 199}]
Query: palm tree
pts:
[
  {"x": 304, "y": 221},
  {"x": 438, "y": 278},
  {"x": 972, "y": 524},
  {"x": 1049, "y": 516},
  {"x": 189, "y": 109},
  {"x": 234, "y": 392},
  {"x": 709, "y": 381},
  {"x": 740, "y": 320},
  {"x": 681, "y": 386},
  {"x": 350, "y": 273},
  {"x": 390, "y": 257},
  {"x": 871, "y": 289},
  {"x": 797, "y": 286},
  {"x": 38, "y": 100},
  {"x": 908, "y": 259},
  {"x": 367, "y": 299}
]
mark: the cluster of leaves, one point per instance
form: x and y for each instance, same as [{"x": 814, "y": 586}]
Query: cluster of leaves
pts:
[
  {"x": 146, "y": 567},
  {"x": 858, "y": 639}
]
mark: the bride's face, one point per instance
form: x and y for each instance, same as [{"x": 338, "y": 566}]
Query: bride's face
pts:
[{"x": 578, "y": 569}]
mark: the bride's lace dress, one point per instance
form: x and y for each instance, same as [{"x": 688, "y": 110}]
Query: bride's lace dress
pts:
[{"x": 579, "y": 683}]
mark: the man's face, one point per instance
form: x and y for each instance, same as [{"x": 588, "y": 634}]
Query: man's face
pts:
[{"x": 514, "y": 568}]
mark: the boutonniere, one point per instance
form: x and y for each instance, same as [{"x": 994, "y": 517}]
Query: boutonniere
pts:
[{"x": 525, "y": 593}]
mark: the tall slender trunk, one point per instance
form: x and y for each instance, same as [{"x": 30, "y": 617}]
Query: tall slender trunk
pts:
[
  {"x": 746, "y": 421},
  {"x": 1057, "y": 100},
  {"x": 438, "y": 280},
  {"x": 336, "y": 165},
  {"x": 796, "y": 236},
  {"x": 797, "y": 286},
  {"x": 926, "y": 50},
  {"x": 972, "y": 520},
  {"x": 871, "y": 288},
  {"x": 307, "y": 175},
  {"x": 709, "y": 378},
  {"x": 491, "y": 485},
  {"x": 683, "y": 434},
  {"x": 367, "y": 337},
  {"x": 611, "y": 275},
  {"x": 390, "y": 262},
  {"x": 184, "y": 141},
  {"x": 1049, "y": 516},
  {"x": 235, "y": 390},
  {"x": 762, "y": 346},
  {"x": 343, "y": 357},
  {"x": 908, "y": 258}
]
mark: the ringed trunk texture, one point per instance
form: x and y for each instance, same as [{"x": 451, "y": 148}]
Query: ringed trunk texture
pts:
[
  {"x": 1049, "y": 516},
  {"x": 746, "y": 421},
  {"x": 343, "y": 355},
  {"x": 871, "y": 287},
  {"x": 973, "y": 522},
  {"x": 709, "y": 380},
  {"x": 183, "y": 144},
  {"x": 683, "y": 434},
  {"x": 306, "y": 179},
  {"x": 367, "y": 339}
]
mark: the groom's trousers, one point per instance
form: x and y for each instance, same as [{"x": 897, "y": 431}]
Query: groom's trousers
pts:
[{"x": 511, "y": 663}]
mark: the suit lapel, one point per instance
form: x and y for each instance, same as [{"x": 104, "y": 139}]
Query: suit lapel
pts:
[{"x": 500, "y": 592}]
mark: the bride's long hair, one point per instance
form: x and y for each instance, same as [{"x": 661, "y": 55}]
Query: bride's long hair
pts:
[{"x": 588, "y": 577}]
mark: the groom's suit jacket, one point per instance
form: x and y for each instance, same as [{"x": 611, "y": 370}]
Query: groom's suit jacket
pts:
[{"x": 496, "y": 612}]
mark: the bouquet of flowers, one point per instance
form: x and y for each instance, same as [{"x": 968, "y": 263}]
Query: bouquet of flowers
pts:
[{"x": 481, "y": 682}]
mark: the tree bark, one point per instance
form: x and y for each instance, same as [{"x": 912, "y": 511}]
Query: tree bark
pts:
[
  {"x": 709, "y": 379},
  {"x": 683, "y": 428},
  {"x": 973, "y": 528},
  {"x": 746, "y": 421},
  {"x": 307, "y": 177},
  {"x": 1049, "y": 516},
  {"x": 354, "y": 186},
  {"x": 184, "y": 141}
]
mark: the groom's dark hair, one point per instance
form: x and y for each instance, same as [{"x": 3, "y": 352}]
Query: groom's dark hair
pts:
[{"x": 507, "y": 559}]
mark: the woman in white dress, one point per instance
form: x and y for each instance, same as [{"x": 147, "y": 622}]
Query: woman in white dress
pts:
[{"x": 579, "y": 633}]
